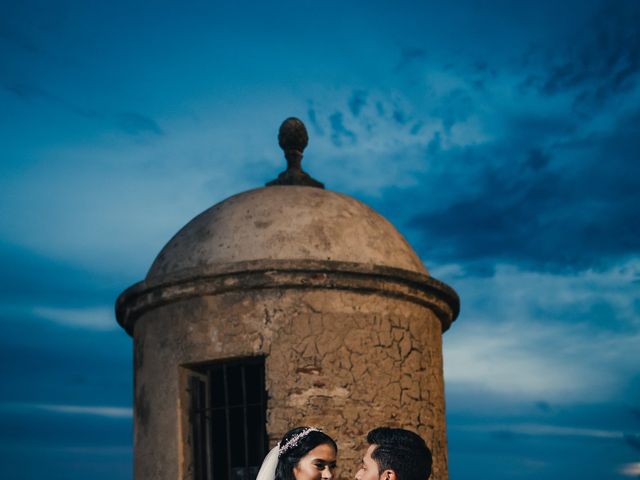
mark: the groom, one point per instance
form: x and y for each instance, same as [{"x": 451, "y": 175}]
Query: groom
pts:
[{"x": 395, "y": 454}]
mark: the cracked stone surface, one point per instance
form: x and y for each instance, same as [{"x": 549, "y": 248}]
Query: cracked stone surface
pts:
[{"x": 345, "y": 361}]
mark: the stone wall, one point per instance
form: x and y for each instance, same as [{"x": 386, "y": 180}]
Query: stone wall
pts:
[{"x": 343, "y": 360}]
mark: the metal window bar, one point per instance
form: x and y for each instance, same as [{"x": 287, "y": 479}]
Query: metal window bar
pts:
[
  {"x": 225, "y": 381},
  {"x": 202, "y": 421},
  {"x": 244, "y": 421},
  {"x": 198, "y": 391}
]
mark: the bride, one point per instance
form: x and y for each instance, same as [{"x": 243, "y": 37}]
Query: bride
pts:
[{"x": 304, "y": 453}]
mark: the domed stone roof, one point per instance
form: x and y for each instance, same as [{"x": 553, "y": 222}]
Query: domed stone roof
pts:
[
  {"x": 284, "y": 223},
  {"x": 291, "y": 235}
]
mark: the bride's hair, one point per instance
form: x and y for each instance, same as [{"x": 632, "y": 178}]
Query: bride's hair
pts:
[{"x": 296, "y": 444}]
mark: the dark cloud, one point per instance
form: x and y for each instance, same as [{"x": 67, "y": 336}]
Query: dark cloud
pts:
[
  {"x": 531, "y": 130},
  {"x": 633, "y": 441},
  {"x": 600, "y": 60},
  {"x": 36, "y": 443},
  {"x": 503, "y": 435},
  {"x": 43, "y": 427},
  {"x": 528, "y": 456},
  {"x": 535, "y": 439},
  {"x": 595, "y": 308},
  {"x": 339, "y": 133},
  {"x": 28, "y": 277},
  {"x": 416, "y": 127},
  {"x": 27, "y": 91},
  {"x": 400, "y": 117},
  {"x": 435, "y": 144},
  {"x": 129, "y": 122},
  {"x": 570, "y": 206},
  {"x": 357, "y": 101},
  {"x": 72, "y": 365},
  {"x": 313, "y": 119},
  {"x": 42, "y": 362},
  {"x": 136, "y": 124},
  {"x": 482, "y": 73},
  {"x": 454, "y": 107},
  {"x": 409, "y": 56},
  {"x": 537, "y": 159},
  {"x": 544, "y": 407}
]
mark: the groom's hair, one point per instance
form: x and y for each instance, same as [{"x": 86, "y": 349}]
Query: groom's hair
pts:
[
  {"x": 301, "y": 443},
  {"x": 402, "y": 451}
]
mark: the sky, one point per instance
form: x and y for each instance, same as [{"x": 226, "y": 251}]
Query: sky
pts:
[{"x": 501, "y": 138}]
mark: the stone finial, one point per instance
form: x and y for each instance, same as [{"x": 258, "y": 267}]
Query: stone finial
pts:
[
  {"x": 293, "y": 139},
  {"x": 293, "y": 135}
]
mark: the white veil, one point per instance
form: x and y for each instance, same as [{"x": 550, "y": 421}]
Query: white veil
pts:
[{"x": 269, "y": 464}]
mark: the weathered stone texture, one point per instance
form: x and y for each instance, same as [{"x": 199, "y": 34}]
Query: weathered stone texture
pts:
[
  {"x": 327, "y": 290},
  {"x": 345, "y": 361},
  {"x": 289, "y": 223}
]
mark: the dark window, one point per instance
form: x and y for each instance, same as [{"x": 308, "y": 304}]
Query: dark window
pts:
[{"x": 227, "y": 416}]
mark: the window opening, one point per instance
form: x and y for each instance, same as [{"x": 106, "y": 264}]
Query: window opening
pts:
[{"x": 228, "y": 419}]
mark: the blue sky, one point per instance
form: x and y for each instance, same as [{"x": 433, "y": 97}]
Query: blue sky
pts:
[{"x": 501, "y": 138}]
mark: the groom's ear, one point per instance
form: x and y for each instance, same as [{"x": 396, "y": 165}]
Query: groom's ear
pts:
[{"x": 389, "y": 475}]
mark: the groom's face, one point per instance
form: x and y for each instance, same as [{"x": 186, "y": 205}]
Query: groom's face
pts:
[{"x": 368, "y": 467}]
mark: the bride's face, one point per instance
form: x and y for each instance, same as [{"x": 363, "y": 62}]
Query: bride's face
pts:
[{"x": 318, "y": 464}]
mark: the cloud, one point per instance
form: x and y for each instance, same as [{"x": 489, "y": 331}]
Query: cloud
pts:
[
  {"x": 357, "y": 101},
  {"x": 415, "y": 129},
  {"x": 633, "y": 440},
  {"x": 28, "y": 277},
  {"x": 135, "y": 124},
  {"x": 27, "y": 91},
  {"x": 573, "y": 440},
  {"x": 455, "y": 107},
  {"x": 399, "y": 116},
  {"x": 630, "y": 470},
  {"x": 534, "y": 429},
  {"x": 538, "y": 159},
  {"x": 113, "y": 216},
  {"x": 517, "y": 359},
  {"x": 105, "y": 411},
  {"x": 72, "y": 365},
  {"x": 543, "y": 336},
  {"x": 97, "y": 318},
  {"x": 131, "y": 123},
  {"x": 339, "y": 133},
  {"x": 408, "y": 56},
  {"x": 534, "y": 202},
  {"x": 595, "y": 67},
  {"x": 313, "y": 119},
  {"x": 383, "y": 145},
  {"x": 99, "y": 411},
  {"x": 65, "y": 441}
]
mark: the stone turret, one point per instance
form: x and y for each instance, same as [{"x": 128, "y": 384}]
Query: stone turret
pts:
[{"x": 283, "y": 306}]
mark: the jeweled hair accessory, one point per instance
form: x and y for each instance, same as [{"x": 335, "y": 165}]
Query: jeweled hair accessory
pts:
[{"x": 293, "y": 441}]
